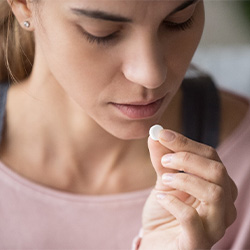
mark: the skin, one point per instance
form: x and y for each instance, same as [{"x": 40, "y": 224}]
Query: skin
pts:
[
  {"x": 83, "y": 107},
  {"x": 147, "y": 74},
  {"x": 63, "y": 109}
]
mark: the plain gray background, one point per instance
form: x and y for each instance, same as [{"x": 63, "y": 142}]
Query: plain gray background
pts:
[{"x": 224, "y": 51}]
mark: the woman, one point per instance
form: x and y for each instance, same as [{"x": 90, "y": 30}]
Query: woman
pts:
[{"x": 75, "y": 167}]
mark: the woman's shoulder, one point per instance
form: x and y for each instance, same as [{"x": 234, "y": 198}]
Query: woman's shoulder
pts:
[{"x": 234, "y": 109}]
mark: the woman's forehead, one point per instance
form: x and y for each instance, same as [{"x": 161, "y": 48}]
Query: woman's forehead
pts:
[
  {"x": 123, "y": 3},
  {"x": 129, "y": 9}
]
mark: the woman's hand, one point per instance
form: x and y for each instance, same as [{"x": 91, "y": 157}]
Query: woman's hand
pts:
[{"x": 193, "y": 201}]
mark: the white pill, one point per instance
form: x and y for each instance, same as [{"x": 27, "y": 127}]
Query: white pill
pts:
[{"x": 154, "y": 132}]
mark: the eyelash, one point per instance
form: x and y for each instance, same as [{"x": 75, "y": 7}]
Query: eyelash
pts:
[
  {"x": 180, "y": 26},
  {"x": 100, "y": 40},
  {"x": 169, "y": 25}
]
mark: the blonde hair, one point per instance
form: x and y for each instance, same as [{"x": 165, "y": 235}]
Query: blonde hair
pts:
[{"x": 16, "y": 47}]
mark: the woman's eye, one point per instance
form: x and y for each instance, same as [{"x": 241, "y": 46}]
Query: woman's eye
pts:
[
  {"x": 179, "y": 26},
  {"x": 104, "y": 40}
]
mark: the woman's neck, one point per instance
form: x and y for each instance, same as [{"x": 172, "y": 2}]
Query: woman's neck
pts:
[{"x": 50, "y": 138}]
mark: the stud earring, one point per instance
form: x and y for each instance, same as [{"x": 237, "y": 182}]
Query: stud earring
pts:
[{"x": 26, "y": 24}]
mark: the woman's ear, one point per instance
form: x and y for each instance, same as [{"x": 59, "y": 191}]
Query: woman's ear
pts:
[{"x": 22, "y": 9}]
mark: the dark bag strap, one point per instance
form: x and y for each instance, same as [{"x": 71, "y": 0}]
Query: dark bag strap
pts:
[
  {"x": 201, "y": 110},
  {"x": 3, "y": 96}
]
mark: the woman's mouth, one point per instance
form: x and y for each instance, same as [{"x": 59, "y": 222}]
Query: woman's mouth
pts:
[{"x": 139, "y": 110}]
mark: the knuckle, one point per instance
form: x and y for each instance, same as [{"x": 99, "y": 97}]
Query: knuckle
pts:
[
  {"x": 211, "y": 152},
  {"x": 220, "y": 232},
  {"x": 234, "y": 191},
  {"x": 216, "y": 193},
  {"x": 182, "y": 141},
  {"x": 186, "y": 157},
  {"x": 232, "y": 216},
  {"x": 218, "y": 170}
]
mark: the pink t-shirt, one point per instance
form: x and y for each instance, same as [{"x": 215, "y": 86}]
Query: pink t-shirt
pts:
[
  {"x": 37, "y": 217},
  {"x": 235, "y": 154}
]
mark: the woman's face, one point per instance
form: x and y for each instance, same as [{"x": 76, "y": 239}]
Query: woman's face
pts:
[{"x": 122, "y": 61}]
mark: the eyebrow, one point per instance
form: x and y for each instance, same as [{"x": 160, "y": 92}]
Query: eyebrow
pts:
[
  {"x": 96, "y": 14},
  {"x": 183, "y": 6}
]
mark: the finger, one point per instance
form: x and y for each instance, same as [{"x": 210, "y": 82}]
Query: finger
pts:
[
  {"x": 177, "y": 143},
  {"x": 212, "y": 196},
  {"x": 213, "y": 171},
  {"x": 234, "y": 189},
  {"x": 210, "y": 170},
  {"x": 187, "y": 216},
  {"x": 209, "y": 202},
  {"x": 204, "y": 191}
]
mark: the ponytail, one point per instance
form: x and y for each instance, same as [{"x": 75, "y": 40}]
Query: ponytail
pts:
[{"x": 16, "y": 47}]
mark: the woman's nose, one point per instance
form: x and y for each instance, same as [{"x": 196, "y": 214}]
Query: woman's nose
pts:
[{"x": 146, "y": 65}]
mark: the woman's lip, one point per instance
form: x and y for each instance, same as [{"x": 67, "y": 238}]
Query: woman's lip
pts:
[
  {"x": 142, "y": 103},
  {"x": 139, "y": 110}
]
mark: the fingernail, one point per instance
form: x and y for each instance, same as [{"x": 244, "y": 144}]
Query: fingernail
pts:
[
  {"x": 167, "y": 177},
  {"x": 161, "y": 196},
  {"x": 167, "y": 135},
  {"x": 166, "y": 159}
]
